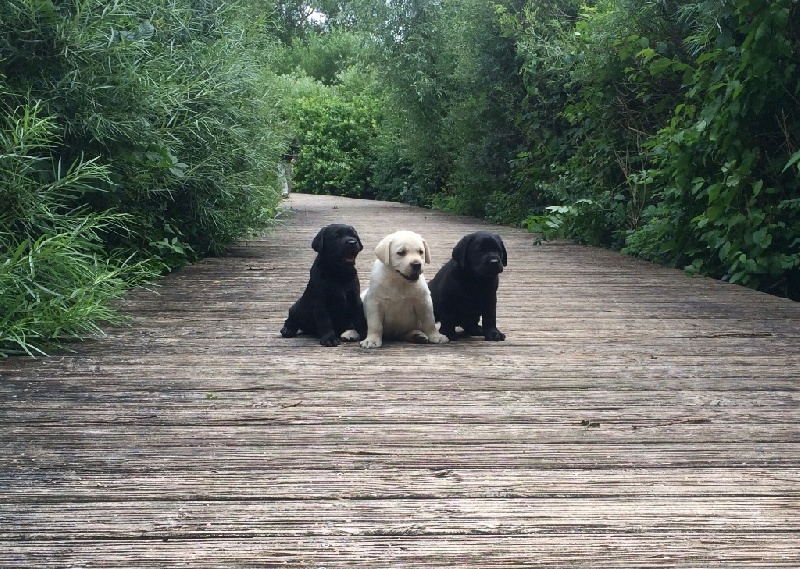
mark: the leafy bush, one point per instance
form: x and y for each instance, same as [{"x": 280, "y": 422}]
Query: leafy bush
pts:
[
  {"x": 336, "y": 134},
  {"x": 322, "y": 57},
  {"x": 666, "y": 115},
  {"x": 167, "y": 150},
  {"x": 56, "y": 278},
  {"x": 728, "y": 202},
  {"x": 169, "y": 98}
]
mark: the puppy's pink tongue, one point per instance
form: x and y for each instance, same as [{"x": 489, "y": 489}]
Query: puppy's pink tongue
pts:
[{"x": 350, "y": 259}]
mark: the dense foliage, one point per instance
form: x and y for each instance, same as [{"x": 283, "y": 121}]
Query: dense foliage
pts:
[
  {"x": 56, "y": 281},
  {"x": 667, "y": 129},
  {"x": 139, "y": 136},
  {"x": 336, "y": 130}
]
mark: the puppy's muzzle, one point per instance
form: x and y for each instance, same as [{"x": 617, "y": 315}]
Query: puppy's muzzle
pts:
[
  {"x": 493, "y": 266},
  {"x": 351, "y": 250},
  {"x": 416, "y": 271}
]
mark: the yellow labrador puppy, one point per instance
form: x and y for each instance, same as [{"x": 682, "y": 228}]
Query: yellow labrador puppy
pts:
[{"x": 397, "y": 303}]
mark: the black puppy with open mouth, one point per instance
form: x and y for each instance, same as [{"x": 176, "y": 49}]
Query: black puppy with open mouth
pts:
[
  {"x": 330, "y": 308},
  {"x": 464, "y": 291}
]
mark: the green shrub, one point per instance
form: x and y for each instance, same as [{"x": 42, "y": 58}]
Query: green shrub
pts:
[
  {"x": 172, "y": 97},
  {"x": 321, "y": 56},
  {"x": 57, "y": 282},
  {"x": 167, "y": 147},
  {"x": 728, "y": 190},
  {"x": 675, "y": 133},
  {"x": 336, "y": 134}
]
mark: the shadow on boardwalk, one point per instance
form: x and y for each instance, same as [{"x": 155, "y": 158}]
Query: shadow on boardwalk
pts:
[{"x": 634, "y": 418}]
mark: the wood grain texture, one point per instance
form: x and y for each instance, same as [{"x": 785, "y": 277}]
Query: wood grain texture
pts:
[{"x": 634, "y": 417}]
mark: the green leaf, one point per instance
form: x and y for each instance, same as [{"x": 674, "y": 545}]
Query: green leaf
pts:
[
  {"x": 659, "y": 66},
  {"x": 724, "y": 251},
  {"x": 713, "y": 193},
  {"x": 795, "y": 158}
]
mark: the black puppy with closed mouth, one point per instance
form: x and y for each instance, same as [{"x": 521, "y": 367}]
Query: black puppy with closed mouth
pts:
[
  {"x": 464, "y": 290},
  {"x": 330, "y": 307}
]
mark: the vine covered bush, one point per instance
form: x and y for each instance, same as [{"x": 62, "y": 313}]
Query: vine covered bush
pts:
[{"x": 726, "y": 162}]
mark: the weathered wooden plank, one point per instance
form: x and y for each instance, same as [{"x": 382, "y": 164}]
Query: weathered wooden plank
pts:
[
  {"x": 550, "y": 428},
  {"x": 612, "y": 418},
  {"x": 539, "y": 370},
  {"x": 216, "y": 482},
  {"x": 407, "y": 517},
  {"x": 190, "y": 392},
  {"x": 594, "y": 549},
  {"x": 143, "y": 455}
]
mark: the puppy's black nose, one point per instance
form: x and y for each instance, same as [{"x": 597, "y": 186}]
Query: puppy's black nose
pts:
[
  {"x": 495, "y": 265},
  {"x": 416, "y": 266}
]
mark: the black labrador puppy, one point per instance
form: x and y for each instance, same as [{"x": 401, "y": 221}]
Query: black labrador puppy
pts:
[
  {"x": 331, "y": 303},
  {"x": 465, "y": 288}
]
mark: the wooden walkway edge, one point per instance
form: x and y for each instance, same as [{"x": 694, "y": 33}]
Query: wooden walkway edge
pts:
[{"x": 634, "y": 417}]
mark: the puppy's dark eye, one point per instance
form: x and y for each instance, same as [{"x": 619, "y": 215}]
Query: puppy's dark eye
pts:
[
  {"x": 401, "y": 253},
  {"x": 420, "y": 252}
]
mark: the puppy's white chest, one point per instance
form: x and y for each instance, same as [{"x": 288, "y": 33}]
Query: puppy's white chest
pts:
[
  {"x": 400, "y": 319},
  {"x": 396, "y": 300}
]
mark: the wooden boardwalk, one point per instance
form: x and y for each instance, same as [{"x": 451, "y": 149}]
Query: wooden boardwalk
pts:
[{"x": 634, "y": 417}]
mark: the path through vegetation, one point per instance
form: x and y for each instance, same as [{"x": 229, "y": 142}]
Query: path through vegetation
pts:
[{"x": 634, "y": 417}]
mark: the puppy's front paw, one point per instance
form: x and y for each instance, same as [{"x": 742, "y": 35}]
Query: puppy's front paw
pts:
[
  {"x": 329, "y": 340},
  {"x": 494, "y": 335},
  {"x": 450, "y": 332},
  {"x": 476, "y": 330},
  {"x": 438, "y": 338},
  {"x": 417, "y": 337},
  {"x": 371, "y": 342},
  {"x": 288, "y": 332},
  {"x": 350, "y": 336}
]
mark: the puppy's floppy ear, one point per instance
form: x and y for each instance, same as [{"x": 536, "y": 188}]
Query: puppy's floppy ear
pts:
[
  {"x": 502, "y": 249},
  {"x": 460, "y": 251},
  {"x": 427, "y": 252},
  {"x": 319, "y": 241},
  {"x": 384, "y": 250}
]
